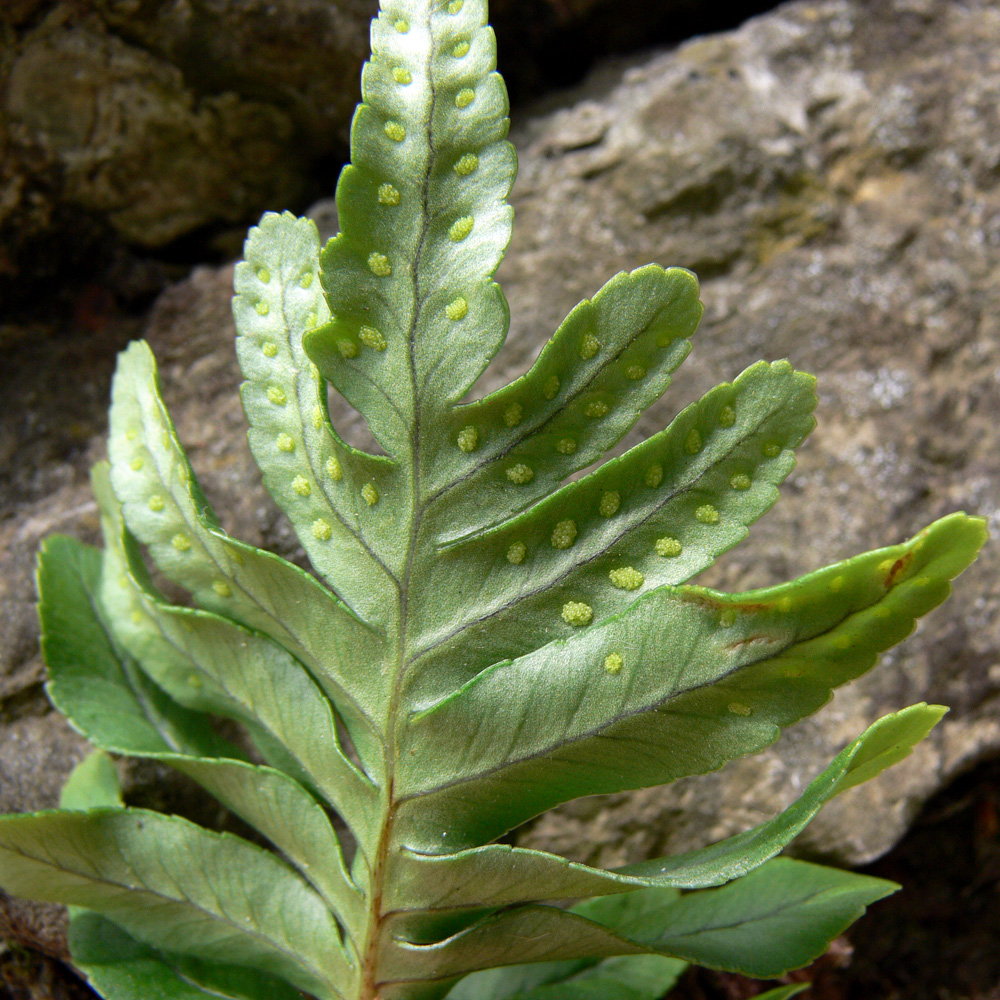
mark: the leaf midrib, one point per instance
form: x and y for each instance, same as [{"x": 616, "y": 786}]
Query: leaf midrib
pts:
[
  {"x": 774, "y": 914},
  {"x": 397, "y": 720}
]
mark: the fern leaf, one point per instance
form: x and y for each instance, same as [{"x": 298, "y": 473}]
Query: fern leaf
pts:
[
  {"x": 91, "y": 680},
  {"x": 165, "y": 509},
  {"x": 657, "y": 515},
  {"x": 314, "y": 477},
  {"x": 778, "y": 918},
  {"x": 717, "y": 678},
  {"x": 500, "y": 875},
  {"x": 501, "y": 618},
  {"x": 136, "y": 867}
]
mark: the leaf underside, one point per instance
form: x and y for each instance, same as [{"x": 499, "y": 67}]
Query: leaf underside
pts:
[{"x": 500, "y": 619}]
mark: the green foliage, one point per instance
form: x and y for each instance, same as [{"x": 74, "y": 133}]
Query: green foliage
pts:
[{"x": 491, "y": 637}]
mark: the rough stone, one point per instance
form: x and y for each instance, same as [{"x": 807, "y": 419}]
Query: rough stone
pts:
[
  {"x": 832, "y": 170},
  {"x": 142, "y": 121}
]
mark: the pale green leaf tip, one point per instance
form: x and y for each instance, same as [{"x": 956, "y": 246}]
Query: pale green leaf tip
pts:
[
  {"x": 784, "y": 992},
  {"x": 92, "y": 784},
  {"x": 889, "y": 741}
]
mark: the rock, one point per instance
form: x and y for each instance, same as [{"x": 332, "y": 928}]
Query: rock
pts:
[
  {"x": 831, "y": 170},
  {"x": 132, "y": 138},
  {"x": 143, "y": 121}
]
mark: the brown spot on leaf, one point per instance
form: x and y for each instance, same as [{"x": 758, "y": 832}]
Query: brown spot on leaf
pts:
[
  {"x": 733, "y": 646},
  {"x": 708, "y": 601},
  {"x": 898, "y": 567}
]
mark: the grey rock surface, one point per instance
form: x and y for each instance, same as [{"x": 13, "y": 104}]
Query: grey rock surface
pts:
[
  {"x": 162, "y": 117},
  {"x": 832, "y": 170},
  {"x": 146, "y": 120}
]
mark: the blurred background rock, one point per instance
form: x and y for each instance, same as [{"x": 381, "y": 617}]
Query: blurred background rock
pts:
[{"x": 130, "y": 126}]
